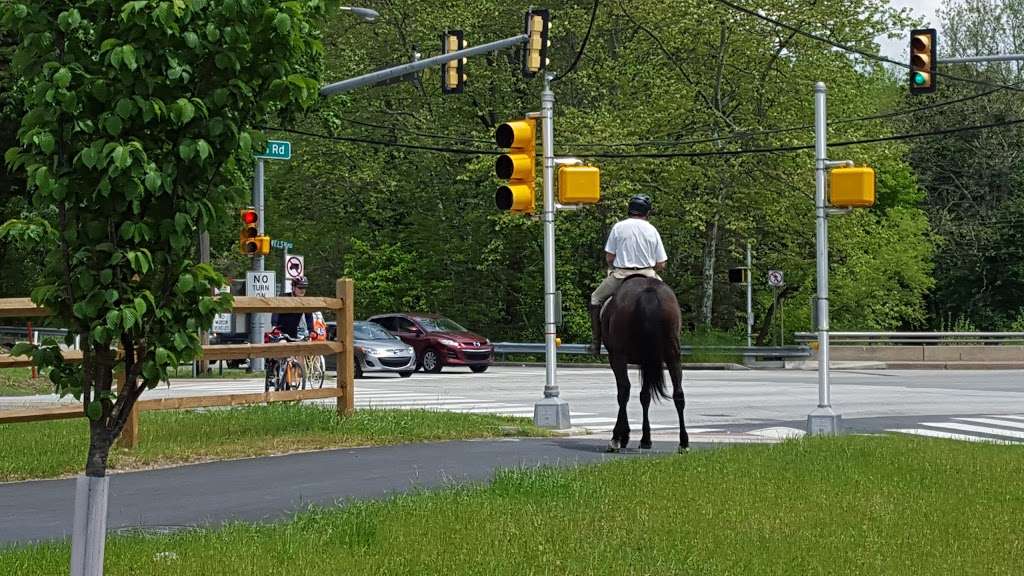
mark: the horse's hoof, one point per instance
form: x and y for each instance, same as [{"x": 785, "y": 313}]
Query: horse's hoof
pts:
[
  {"x": 614, "y": 446},
  {"x": 646, "y": 445},
  {"x": 683, "y": 450}
]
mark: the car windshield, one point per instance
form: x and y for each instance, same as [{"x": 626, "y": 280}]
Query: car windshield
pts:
[
  {"x": 440, "y": 325},
  {"x": 371, "y": 331}
]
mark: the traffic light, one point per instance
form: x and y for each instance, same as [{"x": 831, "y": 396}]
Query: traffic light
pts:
[
  {"x": 516, "y": 166},
  {"x": 922, "y": 61},
  {"x": 535, "y": 51},
  {"x": 453, "y": 72},
  {"x": 250, "y": 242},
  {"x": 739, "y": 275}
]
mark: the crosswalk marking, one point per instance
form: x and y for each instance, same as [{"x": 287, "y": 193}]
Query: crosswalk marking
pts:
[
  {"x": 998, "y": 428},
  {"x": 948, "y": 435},
  {"x": 994, "y": 422},
  {"x": 978, "y": 429}
]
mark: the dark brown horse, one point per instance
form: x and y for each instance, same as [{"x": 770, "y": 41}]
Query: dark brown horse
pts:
[{"x": 640, "y": 325}]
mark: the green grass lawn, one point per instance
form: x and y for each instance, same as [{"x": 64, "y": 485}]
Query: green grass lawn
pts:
[
  {"x": 56, "y": 448},
  {"x": 19, "y": 382},
  {"x": 852, "y": 505}
]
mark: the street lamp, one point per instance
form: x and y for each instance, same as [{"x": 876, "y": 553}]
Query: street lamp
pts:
[{"x": 365, "y": 13}]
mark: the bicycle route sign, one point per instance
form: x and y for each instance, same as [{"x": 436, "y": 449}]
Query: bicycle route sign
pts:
[{"x": 263, "y": 284}]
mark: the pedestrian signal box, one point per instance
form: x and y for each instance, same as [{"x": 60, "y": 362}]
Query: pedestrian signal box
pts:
[
  {"x": 579, "y": 184},
  {"x": 852, "y": 187}
]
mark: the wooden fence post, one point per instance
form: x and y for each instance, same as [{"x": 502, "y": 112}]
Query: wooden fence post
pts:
[
  {"x": 346, "y": 370},
  {"x": 129, "y": 437}
]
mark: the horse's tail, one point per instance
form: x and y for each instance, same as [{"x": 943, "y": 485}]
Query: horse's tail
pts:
[{"x": 648, "y": 322}]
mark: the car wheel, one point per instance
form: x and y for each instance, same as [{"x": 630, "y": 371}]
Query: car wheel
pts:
[
  {"x": 359, "y": 368},
  {"x": 405, "y": 374},
  {"x": 431, "y": 362},
  {"x": 478, "y": 369}
]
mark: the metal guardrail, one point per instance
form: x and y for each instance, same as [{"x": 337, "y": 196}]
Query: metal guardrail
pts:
[
  {"x": 755, "y": 351},
  {"x": 915, "y": 337}
]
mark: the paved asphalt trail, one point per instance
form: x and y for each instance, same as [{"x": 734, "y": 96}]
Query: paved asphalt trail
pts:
[{"x": 272, "y": 488}]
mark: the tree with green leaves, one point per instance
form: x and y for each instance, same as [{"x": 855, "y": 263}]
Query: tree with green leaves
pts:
[{"x": 135, "y": 135}]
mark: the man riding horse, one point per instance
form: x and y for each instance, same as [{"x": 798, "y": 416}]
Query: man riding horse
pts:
[{"x": 634, "y": 247}]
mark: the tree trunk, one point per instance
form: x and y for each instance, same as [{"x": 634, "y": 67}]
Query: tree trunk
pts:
[
  {"x": 769, "y": 316},
  {"x": 100, "y": 441},
  {"x": 708, "y": 280}
]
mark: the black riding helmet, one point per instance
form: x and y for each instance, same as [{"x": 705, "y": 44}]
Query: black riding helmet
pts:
[
  {"x": 640, "y": 205},
  {"x": 301, "y": 282}
]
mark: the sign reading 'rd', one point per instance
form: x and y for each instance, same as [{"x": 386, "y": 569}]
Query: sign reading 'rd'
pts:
[{"x": 277, "y": 150}]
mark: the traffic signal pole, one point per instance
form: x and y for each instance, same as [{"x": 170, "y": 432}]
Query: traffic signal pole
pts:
[
  {"x": 552, "y": 411},
  {"x": 256, "y": 321},
  {"x": 823, "y": 420}
]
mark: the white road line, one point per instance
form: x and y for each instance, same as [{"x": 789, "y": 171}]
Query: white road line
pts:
[
  {"x": 1006, "y": 416},
  {"x": 948, "y": 435},
  {"x": 994, "y": 422},
  {"x": 596, "y": 420},
  {"x": 978, "y": 429}
]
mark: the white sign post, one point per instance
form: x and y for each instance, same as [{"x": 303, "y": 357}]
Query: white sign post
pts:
[{"x": 262, "y": 284}]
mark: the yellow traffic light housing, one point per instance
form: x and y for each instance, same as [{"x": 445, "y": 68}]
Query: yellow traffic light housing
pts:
[
  {"x": 453, "y": 72},
  {"x": 535, "y": 51},
  {"x": 922, "y": 61},
  {"x": 579, "y": 185},
  {"x": 852, "y": 187},
  {"x": 517, "y": 166},
  {"x": 250, "y": 242}
]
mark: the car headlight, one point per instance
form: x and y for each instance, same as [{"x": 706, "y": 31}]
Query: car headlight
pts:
[{"x": 449, "y": 343}]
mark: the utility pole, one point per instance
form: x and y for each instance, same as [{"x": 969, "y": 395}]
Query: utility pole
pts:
[{"x": 750, "y": 297}]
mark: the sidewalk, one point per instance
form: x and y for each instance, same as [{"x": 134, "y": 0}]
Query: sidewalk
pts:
[{"x": 272, "y": 488}]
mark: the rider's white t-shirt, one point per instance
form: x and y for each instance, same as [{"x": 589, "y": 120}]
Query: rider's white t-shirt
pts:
[{"x": 636, "y": 244}]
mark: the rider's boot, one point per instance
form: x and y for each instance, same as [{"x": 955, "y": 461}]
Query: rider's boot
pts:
[{"x": 595, "y": 330}]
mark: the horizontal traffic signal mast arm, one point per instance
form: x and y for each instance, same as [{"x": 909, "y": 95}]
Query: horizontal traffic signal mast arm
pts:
[
  {"x": 992, "y": 58},
  {"x": 403, "y": 69}
]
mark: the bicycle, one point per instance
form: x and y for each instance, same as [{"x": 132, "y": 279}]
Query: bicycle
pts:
[
  {"x": 284, "y": 374},
  {"x": 316, "y": 369}
]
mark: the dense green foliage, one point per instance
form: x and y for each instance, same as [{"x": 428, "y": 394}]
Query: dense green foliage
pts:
[
  {"x": 135, "y": 116},
  {"x": 418, "y": 229},
  {"x": 852, "y": 505},
  {"x": 975, "y": 180}
]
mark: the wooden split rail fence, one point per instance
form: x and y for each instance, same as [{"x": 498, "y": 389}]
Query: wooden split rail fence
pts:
[{"x": 341, "y": 305}]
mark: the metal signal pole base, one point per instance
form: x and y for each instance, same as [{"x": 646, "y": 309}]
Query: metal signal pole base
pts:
[
  {"x": 824, "y": 422},
  {"x": 552, "y": 413}
]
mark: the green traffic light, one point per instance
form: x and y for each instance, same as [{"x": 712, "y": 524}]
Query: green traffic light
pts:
[{"x": 919, "y": 79}]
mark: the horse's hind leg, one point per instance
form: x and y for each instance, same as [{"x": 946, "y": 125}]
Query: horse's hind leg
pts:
[
  {"x": 645, "y": 401},
  {"x": 675, "y": 370},
  {"x": 620, "y": 434}
]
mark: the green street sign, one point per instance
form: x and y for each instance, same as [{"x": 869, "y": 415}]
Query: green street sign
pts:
[{"x": 277, "y": 150}]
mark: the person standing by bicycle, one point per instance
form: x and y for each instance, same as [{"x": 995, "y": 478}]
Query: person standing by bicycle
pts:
[{"x": 288, "y": 322}]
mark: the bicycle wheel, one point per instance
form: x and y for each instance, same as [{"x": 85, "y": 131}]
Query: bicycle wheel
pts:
[
  {"x": 315, "y": 371},
  {"x": 271, "y": 379},
  {"x": 295, "y": 375}
]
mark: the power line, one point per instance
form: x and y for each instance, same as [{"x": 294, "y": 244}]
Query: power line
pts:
[
  {"x": 430, "y": 135},
  {"x": 583, "y": 46},
  {"x": 697, "y": 154},
  {"x": 851, "y": 49},
  {"x": 353, "y": 139},
  {"x": 800, "y": 147},
  {"x": 754, "y": 134}
]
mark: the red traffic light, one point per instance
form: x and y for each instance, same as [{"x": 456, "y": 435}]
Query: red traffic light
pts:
[{"x": 249, "y": 216}]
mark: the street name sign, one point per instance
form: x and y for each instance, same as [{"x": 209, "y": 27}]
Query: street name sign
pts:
[{"x": 277, "y": 150}]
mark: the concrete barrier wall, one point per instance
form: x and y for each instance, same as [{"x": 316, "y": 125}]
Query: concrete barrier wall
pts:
[{"x": 929, "y": 353}]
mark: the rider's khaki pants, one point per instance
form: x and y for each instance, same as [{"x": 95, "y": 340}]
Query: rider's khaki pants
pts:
[{"x": 613, "y": 280}]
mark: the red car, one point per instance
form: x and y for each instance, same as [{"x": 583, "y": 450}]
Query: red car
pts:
[{"x": 438, "y": 341}]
